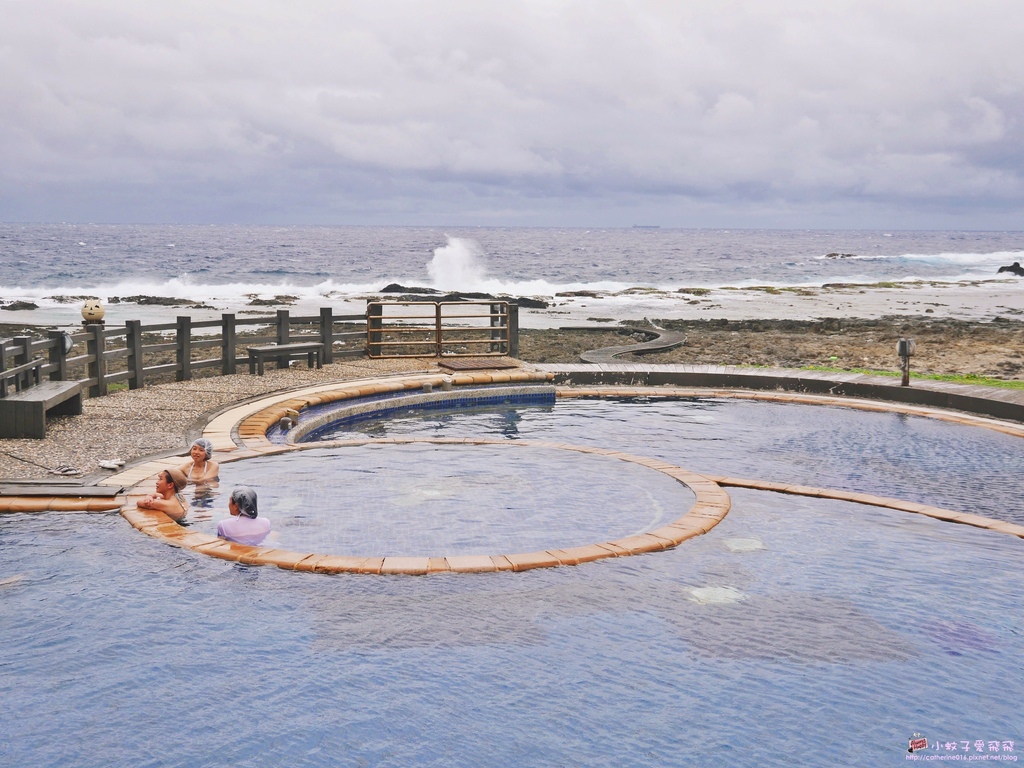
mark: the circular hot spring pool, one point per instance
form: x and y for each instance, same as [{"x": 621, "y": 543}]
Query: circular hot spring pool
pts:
[
  {"x": 441, "y": 500},
  {"x": 799, "y": 631}
]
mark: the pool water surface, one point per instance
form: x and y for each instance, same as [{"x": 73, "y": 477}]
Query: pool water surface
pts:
[{"x": 798, "y": 632}]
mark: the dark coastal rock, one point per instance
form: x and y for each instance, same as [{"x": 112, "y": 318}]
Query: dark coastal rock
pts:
[
  {"x": 522, "y": 301},
  {"x": 160, "y": 301},
  {"x": 413, "y": 297},
  {"x": 436, "y": 296},
  {"x": 526, "y": 301},
  {"x": 465, "y": 296},
  {"x": 396, "y": 288},
  {"x": 17, "y": 305},
  {"x": 579, "y": 294},
  {"x": 840, "y": 255},
  {"x": 72, "y": 299},
  {"x": 256, "y": 301},
  {"x": 459, "y": 296},
  {"x": 1014, "y": 268}
]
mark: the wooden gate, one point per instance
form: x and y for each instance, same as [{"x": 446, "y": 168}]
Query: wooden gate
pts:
[{"x": 442, "y": 329}]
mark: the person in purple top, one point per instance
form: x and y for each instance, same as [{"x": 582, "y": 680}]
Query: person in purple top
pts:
[{"x": 243, "y": 526}]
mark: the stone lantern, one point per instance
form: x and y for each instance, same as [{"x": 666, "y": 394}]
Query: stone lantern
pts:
[{"x": 92, "y": 312}]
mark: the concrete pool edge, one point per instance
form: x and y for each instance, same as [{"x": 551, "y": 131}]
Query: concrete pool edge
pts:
[
  {"x": 251, "y": 430},
  {"x": 862, "y": 404},
  {"x": 868, "y": 499},
  {"x": 971, "y": 398}
]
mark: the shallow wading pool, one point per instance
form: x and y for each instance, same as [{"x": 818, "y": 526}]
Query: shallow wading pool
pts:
[{"x": 799, "y": 631}]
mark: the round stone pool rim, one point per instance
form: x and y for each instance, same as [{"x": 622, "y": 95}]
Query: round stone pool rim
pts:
[{"x": 710, "y": 507}]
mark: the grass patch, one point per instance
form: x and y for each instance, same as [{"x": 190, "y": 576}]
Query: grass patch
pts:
[
  {"x": 969, "y": 378},
  {"x": 639, "y": 291},
  {"x": 864, "y": 286},
  {"x": 800, "y": 291}
]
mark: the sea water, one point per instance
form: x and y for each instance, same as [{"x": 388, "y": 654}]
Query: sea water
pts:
[{"x": 214, "y": 269}]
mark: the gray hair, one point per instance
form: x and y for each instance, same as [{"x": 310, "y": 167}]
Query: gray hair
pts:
[
  {"x": 245, "y": 499},
  {"x": 205, "y": 444}
]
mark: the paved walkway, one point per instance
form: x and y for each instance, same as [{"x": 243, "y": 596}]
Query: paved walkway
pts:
[{"x": 663, "y": 340}]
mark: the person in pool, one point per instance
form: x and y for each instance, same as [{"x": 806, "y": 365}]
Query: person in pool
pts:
[
  {"x": 243, "y": 526},
  {"x": 168, "y": 498},
  {"x": 201, "y": 470}
]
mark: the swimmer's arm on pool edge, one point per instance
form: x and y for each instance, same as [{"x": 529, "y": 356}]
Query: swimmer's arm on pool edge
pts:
[{"x": 170, "y": 507}]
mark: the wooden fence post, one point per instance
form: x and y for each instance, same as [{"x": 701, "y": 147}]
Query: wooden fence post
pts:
[
  {"x": 513, "y": 330},
  {"x": 227, "y": 343},
  {"x": 499, "y": 329},
  {"x": 133, "y": 343},
  {"x": 183, "y": 337},
  {"x": 374, "y": 324},
  {"x": 283, "y": 334},
  {"x": 327, "y": 333},
  {"x": 3, "y": 367},
  {"x": 95, "y": 346},
  {"x": 22, "y": 356},
  {"x": 439, "y": 348},
  {"x": 58, "y": 358}
]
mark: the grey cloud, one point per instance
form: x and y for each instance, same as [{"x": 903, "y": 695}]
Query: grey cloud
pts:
[{"x": 785, "y": 114}]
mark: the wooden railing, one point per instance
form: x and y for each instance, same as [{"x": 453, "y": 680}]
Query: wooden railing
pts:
[
  {"x": 101, "y": 356},
  {"x": 137, "y": 353}
]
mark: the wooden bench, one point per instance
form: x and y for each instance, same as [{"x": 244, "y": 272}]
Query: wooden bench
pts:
[
  {"x": 23, "y": 413},
  {"x": 313, "y": 350}
]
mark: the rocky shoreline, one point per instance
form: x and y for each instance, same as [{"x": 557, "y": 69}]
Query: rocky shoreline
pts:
[{"x": 944, "y": 346}]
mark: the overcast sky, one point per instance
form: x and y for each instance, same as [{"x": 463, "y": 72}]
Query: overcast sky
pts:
[{"x": 782, "y": 113}]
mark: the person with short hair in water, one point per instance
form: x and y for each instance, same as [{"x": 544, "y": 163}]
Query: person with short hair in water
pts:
[
  {"x": 168, "y": 498},
  {"x": 201, "y": 470},
  {"x": 243, "y": 526}
]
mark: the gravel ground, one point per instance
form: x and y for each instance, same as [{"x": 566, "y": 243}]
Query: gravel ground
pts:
[{"x": 132, "y": 424}]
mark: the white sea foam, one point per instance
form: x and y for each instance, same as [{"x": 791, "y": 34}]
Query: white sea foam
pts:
[
  {"x": 238, "y": 294},
  {"x": 996, "y": 258}
]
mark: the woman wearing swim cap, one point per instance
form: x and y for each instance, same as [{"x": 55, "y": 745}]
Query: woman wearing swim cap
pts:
[
  {"x": 244, "y": 525},
  {"x": 201, "y": 469}
]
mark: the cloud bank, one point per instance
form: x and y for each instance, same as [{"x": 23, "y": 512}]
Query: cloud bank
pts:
[{"x": 590, "y": 113}]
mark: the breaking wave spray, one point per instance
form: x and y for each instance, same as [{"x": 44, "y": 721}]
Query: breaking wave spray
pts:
[{"x": 457, "y": 266}]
